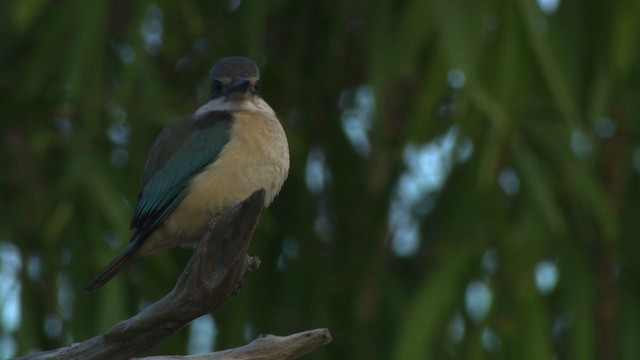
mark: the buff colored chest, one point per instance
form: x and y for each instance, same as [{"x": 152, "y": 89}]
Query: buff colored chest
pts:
[{"x": 256, "y": 156}]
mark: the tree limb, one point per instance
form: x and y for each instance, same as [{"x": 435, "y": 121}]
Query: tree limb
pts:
[
  {"x": 266, "y": 347},
  {"x": 214, "y": 273}
]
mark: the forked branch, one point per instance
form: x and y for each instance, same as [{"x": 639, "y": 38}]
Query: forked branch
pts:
[{"x": 214, "y": 274}]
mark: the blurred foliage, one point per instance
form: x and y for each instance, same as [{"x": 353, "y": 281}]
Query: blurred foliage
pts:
[{"x": 530, "y": 112}]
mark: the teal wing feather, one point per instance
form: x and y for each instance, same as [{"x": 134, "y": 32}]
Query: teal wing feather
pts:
[{"x": 181, "y": 151}]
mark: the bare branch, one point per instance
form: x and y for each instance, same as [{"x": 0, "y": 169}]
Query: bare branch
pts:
[
  {"x": 214, "y": 273},
  {"x": 267, "y": 347}
]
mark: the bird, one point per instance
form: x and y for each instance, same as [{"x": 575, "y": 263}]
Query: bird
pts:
[{"x": 204, "y": 163}]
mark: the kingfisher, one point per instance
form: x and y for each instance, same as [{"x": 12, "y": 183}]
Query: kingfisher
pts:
[{"x": 206, "y": 162}]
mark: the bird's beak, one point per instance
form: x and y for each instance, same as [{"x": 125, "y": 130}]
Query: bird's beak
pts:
[{"x": 237, "y": 90}]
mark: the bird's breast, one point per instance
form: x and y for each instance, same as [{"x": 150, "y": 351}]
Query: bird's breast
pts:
[{"x": 256, "y": 157}]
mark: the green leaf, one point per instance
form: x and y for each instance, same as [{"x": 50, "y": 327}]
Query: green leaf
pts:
[{"x": 433, "y": 304}]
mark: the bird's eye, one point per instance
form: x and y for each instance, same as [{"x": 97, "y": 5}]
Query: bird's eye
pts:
[
  {"x": 217, "y": 86},
  {"x": 256, "y": 87}
]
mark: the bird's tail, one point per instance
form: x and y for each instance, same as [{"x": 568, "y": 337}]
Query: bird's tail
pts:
[{"x": 114, "y": 266}]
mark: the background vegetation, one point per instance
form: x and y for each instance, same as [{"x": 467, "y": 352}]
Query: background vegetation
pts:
[{"x": 464, "y": 180}]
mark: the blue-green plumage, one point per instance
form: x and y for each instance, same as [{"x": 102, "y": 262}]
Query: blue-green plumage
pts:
[{"x": 181, "y": 151}]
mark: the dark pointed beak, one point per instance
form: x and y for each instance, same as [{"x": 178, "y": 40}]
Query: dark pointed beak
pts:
[{"x": 238, "y": 88}]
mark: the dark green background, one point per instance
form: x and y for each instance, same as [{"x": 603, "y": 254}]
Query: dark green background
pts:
[{"x": 549, "y": 99}]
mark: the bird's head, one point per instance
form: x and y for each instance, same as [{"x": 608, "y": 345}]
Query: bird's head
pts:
[{"x": 234, "y": 79}]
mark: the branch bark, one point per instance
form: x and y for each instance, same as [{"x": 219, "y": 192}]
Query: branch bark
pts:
[
  {"x": 266, "y": 347},
  {"x": 214, "y": 274}
]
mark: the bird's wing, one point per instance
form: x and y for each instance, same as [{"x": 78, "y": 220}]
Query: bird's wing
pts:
[{"x": 181, "y": 151}]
